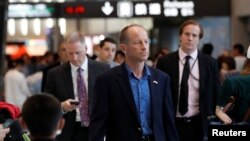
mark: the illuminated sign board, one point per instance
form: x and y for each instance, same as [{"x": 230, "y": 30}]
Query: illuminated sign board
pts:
[
  {"x": 178, "y": 8},
  {"x": 120, "y": 9},
  {"x": 127, "y": 9},
  {"x": 22, "y": 10},
  {"x": 88, "y": 9}
]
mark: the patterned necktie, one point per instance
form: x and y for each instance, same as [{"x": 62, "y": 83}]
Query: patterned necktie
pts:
[
  {"x": 83, "y": 99},
  {"x": 183, "y": 100}
]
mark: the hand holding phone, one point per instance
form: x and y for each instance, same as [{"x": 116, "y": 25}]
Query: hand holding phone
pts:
[
  {"x": 7, "y": 123},
  {"x": 74, "y": 102}
]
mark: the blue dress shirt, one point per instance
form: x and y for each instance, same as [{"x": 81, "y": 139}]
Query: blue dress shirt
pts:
[{"x": 141, "y": 93}]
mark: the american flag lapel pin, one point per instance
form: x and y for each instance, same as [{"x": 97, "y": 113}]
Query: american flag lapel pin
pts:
[{"x": 155, "y": 82}]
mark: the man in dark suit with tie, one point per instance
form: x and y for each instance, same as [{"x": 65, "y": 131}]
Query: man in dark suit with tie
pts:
[
  {"x": 132, "y": 102},
  {"x": 194, "y": 83},
  {"x": 62, "y": 82}
]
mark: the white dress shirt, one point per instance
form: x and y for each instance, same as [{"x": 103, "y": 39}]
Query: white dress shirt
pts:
[
  {"x": 15, "y": 88},
  {"x": 193, "y": 83}
]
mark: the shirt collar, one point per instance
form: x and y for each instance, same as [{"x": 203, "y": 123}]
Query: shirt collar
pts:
[
  {"x": 146, "y": 71},
  {"x": 182, "y": 54},
  {"x": 83, "y": 66}
]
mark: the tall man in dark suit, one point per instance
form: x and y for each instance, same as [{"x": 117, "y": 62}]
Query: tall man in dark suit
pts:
[
  {"x": 62, "y": 59},
  {"x": 202, "y": 85},
  {"x": 62, "y": 82},
  {"x": 132, "y": 102}
]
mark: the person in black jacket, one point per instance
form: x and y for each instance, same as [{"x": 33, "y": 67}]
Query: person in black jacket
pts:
[
  {"x": 62, "y": 59},
  {"x": 202, "y": 87},
  {"x": 62, "y": 82},
  {"x": 132, "y": 101}
]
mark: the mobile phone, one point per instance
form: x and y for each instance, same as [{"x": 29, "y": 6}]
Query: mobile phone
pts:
[
  {"x": 74, "y": 102},
  {"x": 7, "y": 123}
]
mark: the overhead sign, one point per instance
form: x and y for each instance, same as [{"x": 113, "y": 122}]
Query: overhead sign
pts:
[
  {"x": 22, "y": 10},
  {"x": 107, "y": 9},
  {"x": 127, "y": 9},
  {"x": 178, "y": 8},
  {"x": 120, "y": 9},
  {"x": 90, "y": 9}
]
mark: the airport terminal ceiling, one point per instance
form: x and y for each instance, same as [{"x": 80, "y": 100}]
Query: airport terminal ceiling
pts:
[
  {"x": 108, "y": 14},
  {"x": 202, "y": 8}
]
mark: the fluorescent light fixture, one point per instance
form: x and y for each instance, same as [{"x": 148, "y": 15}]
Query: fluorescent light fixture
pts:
[
  {"x": 61, "y": 1},
  {"x": 62, "y": 25},
  {"x": 37, "y": 26},
  {"x": 101, "y": 37},
  {"x": 12, "y": 1},
  {"x": 11, "y": 27},
  {"x": 89, "y": 45},
  {"x": 23, "y": 1},
  {"x": 49, "y": 23},
  {"x": 96, "y": 40},
  {"x": 24, "y": 27}
]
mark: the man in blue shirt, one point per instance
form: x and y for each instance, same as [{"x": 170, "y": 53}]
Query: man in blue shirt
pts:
[{"x": 132, "y": 102}]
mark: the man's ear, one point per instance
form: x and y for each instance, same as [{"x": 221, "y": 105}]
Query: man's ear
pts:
[{"x": 123, "y": 48}]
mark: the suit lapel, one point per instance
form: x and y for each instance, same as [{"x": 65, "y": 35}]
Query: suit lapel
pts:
[
  {"x": 91, "y": 74},
  {"x": 126, "y": 88},
  {"x": 68, "y": 80},
  {"x": 175, "y": 77},
  {"x": 153, "y": 81},
  {"x": 202, "y": 68}
]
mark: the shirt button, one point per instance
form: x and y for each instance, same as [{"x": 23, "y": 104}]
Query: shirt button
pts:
[{"x": 139, "y": 129}]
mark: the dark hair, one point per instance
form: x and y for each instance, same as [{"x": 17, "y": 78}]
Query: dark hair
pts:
[
  {"x": 239, "y": 47},
  {"x": 207, "y": 48},
  {"x": 107, "y": 39},
  {"x": 41, "y": 112},
  {"x": 119, "y": 52},
  {"x": 15, "y": 63},
  {"x": 230, "y": 62},
  {"x": 123, "y": 35},
  {"x": 191, "y": 22}
]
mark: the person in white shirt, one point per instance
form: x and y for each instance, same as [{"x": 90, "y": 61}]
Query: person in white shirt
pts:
[
  {"x": 239, "y": 57},
  {"x": 15, "y": 85}
]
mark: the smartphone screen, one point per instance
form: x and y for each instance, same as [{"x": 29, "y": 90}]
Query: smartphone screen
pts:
[
  {"x": 7, "y": 123},
  {"x": 74, "y": 102}
]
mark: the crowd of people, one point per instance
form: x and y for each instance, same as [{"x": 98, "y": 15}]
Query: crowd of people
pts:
[{"x": 119, "y": 96}]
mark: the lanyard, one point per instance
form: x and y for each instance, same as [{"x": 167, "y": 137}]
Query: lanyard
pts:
[{"x": 191, "y": 68}]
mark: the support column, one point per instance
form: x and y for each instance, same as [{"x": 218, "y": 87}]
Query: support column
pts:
[{"x": 3, "y": 23}]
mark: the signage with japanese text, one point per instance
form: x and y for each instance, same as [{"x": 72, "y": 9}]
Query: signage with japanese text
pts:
[{"x": 120, "y": 9}]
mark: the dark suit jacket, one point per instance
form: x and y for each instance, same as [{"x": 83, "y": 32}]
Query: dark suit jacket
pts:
[
  {"x": 114, "y": 112},
  {"x": 45, "y": 71},
  {"x": 209, "y": 81},
  {"x": 59, "y": 83}
]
